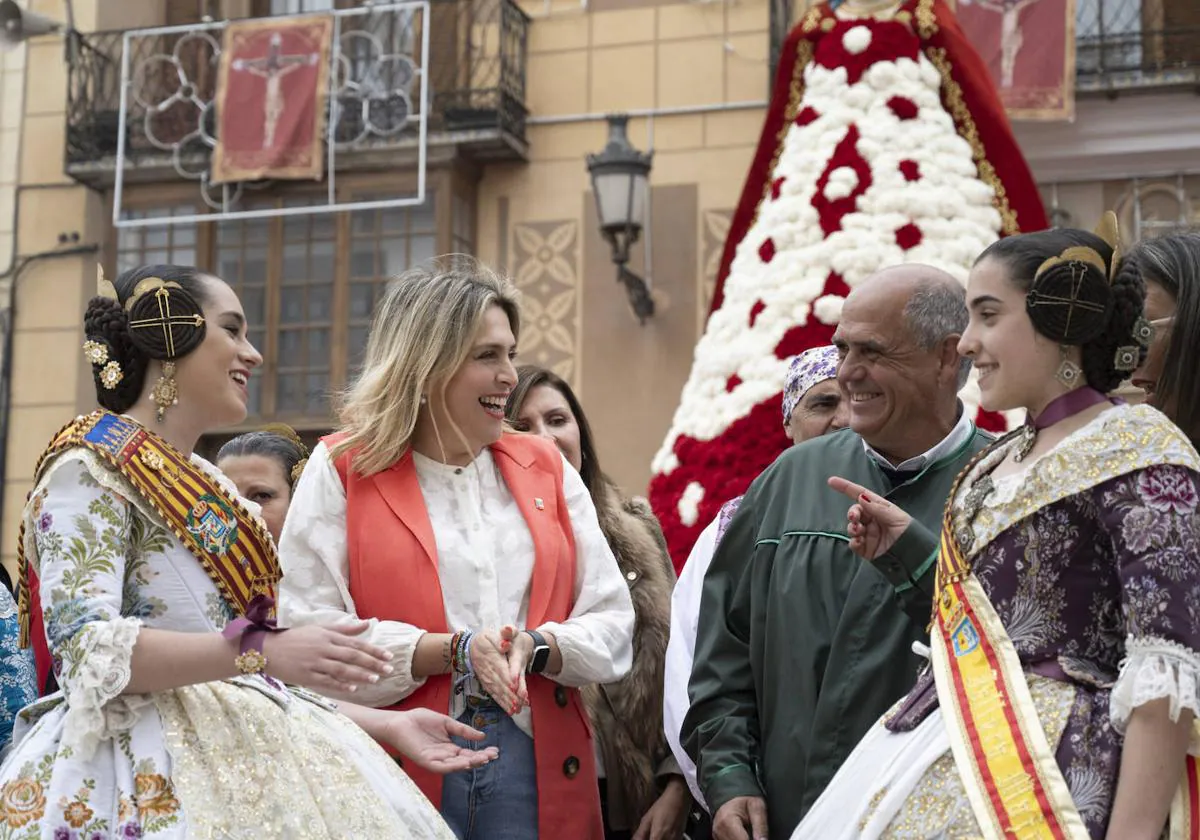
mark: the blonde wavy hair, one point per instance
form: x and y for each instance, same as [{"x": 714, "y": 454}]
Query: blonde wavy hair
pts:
[{"x": 421, "y": 334}]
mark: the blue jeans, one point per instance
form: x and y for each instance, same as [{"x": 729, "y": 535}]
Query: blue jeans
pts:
[{"x": 499, "y": 800}]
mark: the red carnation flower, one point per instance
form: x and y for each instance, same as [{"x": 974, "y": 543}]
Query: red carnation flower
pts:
[
  {"x": 807, "y": 115},
  {"x": 756, "y": 310},
  {"x": 766, "y": 251},
  {"x": 909, "y": 236},
  {"x": 903, "y": 107}
]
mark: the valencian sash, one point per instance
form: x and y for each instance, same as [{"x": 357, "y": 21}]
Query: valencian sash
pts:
[
  {"x": 1013, "y": 781},
  {"x": 232, "y": 544}
]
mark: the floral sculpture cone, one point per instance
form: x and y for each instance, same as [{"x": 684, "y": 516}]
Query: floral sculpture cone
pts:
[{"x": 885, "y": 143}]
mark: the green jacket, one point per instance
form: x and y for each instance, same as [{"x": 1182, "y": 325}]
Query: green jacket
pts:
[{"x": 802, "y": 645}]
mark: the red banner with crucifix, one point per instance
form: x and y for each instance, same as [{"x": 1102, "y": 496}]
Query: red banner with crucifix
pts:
[
  {"x": 272, "y": 88},
  {"x": 1029, "y": 47}
]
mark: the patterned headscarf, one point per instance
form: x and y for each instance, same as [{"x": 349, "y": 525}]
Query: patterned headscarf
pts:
[{"x": 816, "y": 364}]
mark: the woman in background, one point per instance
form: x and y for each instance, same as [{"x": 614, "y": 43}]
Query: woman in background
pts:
[
  {"x": 265, "y": 466},
  {"x": 642, "y": 793},
  {"x": 1170, "y": 268}
]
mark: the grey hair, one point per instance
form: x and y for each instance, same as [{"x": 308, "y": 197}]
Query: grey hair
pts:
[{"x": 936, "y": 311}]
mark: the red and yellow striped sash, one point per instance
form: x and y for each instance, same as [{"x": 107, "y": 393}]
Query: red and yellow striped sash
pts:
[
  {"x": 1009, "y": 769},
  {"x": 231, "y": 544}
]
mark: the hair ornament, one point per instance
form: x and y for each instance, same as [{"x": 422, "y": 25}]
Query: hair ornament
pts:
[
  {"x": 1143, "y": 332},
  {"x": 165, "y": 322},
  {"x": 104, "y": 286},
  {"x": 111, "y": 375},
  {"x": 298, "y": 469},
  {"x": 283, "y": 430},
  {"x": 1128, "y": 358},
  {"x": 1110, "y": 232},
  {"x": 150, "y": 284},
  {"x": 1071, "y": 298},
  {"x": 286, "y": 432},
  {"x": 1076, "y": 253},
  {"x": 95, "y": 352}
]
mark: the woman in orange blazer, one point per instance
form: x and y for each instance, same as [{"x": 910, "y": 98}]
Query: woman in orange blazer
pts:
[{"x": 475, "y": 556}]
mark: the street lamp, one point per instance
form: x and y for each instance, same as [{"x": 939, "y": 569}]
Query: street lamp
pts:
[{"x": 620, "y": 180}]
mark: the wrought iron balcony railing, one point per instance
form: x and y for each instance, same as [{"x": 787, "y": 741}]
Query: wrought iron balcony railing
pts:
[
  {"x": 476, "y": 88},
  {"x": 1137, "y": 43}
]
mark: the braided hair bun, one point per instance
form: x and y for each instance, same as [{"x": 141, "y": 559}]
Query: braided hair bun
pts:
[
  {"x": 1070, "y": 300},
  {"x": 105, "y": 323},
  {"x": 1057, "y": 267},
  {"x": 164, "y": 323},
  {"x": 1128, "y": 304}
]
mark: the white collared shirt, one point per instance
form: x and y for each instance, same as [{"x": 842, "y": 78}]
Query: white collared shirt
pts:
[
  {"x": 485, "y": 563},
  {"x": 961, "y": 432}
]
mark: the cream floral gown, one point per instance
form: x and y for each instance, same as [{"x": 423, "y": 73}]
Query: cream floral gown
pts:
[{"x": 234, "y": 759}]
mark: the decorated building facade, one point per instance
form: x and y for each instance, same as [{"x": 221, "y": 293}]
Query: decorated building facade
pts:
[{"x": 516, "y": 96}]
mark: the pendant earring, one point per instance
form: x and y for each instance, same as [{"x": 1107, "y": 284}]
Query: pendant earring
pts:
[
  {"x": 165, "y": 394},
  {"x": 1068, "y": 373}
]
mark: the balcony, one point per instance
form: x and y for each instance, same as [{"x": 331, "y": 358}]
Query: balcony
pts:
[
  {"x": 475, "y": 108},
  {"x": 1123, "y": 44}
]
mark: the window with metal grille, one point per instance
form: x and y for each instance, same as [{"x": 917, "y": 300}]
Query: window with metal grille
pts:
[
  {"x": 1137, "y": 37},
  {"x": 383, "y": 243},
  {"x": 174, "y": 245}
]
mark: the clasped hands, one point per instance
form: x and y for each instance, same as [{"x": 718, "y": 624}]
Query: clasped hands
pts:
[{"x": 499, "y": 659}]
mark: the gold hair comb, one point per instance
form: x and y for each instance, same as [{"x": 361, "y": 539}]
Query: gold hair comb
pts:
[{"x": 104, "y": 287}]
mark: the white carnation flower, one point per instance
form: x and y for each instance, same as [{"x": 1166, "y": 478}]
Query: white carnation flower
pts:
[{"x": 856, "y": 40}]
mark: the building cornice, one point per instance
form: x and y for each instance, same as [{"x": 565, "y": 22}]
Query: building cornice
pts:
[{"x": 1138, "y": 134}]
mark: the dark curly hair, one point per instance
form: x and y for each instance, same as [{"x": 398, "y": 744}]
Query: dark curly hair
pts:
[
  {"x": 107, "y": 322},
  {"x": 281, "y": 448},
  {"x": 1024, "y": 253}
]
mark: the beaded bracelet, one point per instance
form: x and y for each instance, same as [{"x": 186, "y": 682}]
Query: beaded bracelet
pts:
[{"x": 462, "y": 654}]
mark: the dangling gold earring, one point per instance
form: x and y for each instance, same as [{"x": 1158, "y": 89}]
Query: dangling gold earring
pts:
[
  {"x": 164, "y": 394},
  {"x": 1068, "y": 373}
]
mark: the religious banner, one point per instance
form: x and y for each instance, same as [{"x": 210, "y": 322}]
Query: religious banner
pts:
[
  {"x": 272, "y": 88},
  {"x": 1029, "y": 48}
]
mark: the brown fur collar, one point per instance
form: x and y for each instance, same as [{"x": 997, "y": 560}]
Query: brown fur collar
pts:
[{"x": 628, "y": 714}]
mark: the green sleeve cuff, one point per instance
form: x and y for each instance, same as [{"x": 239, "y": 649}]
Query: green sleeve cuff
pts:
[
  {"x": 730, "y": 783},
  {"x": 909, "y": 562}
]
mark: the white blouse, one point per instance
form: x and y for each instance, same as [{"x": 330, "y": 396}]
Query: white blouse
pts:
[{"x": 485, "y": 563}]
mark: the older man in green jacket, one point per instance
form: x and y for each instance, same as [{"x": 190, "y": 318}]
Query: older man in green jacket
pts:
[{"x": 803, "y": 645}]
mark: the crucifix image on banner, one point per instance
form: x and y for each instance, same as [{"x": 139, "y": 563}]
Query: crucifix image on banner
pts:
[
  {"x": 273, "y": 68},
  {"x": 1029, "y": 48},
  {"x": 271, "y": 99}
]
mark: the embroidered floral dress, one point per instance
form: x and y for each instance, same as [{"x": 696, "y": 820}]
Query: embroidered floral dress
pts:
[
  {"x": 18, "y": 681},
  {"x": 1091, "y": 558},
  {"x": 233, "y": 759}
]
